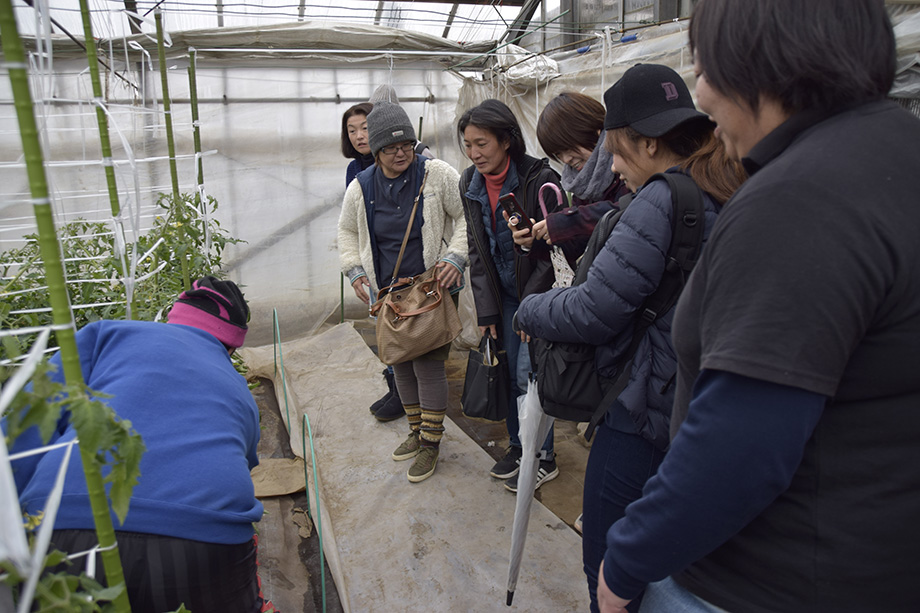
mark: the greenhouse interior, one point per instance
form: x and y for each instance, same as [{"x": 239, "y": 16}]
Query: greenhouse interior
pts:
[{"x": 147, "y": 144}]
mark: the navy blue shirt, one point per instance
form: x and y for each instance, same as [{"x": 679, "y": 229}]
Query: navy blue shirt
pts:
[
  {"x": 393, "y": 200},
  {"x": 357, "y": 165}
]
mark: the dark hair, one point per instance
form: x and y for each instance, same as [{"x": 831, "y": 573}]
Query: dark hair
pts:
[
  {"x": 362, "y": 108},
  {"x": 570, "y": 120},
  {"x": 495, "y": 116},
  {"x": 702, "y": 155},
  {"x": 806, "y": 54}
]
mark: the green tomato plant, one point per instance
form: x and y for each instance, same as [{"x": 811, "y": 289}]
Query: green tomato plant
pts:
[{"x": 180, "y": 232}]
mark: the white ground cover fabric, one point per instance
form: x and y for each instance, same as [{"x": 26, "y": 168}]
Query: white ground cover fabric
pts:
[{"x": 439, "y": 545}]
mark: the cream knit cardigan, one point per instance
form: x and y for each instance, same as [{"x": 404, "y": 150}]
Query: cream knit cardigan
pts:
[{"x": 443, "y": 233}]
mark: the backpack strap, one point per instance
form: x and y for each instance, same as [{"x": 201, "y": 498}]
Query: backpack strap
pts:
[
  {"x": 598, "y": 239},
  {"x": 687, "y": 225}
]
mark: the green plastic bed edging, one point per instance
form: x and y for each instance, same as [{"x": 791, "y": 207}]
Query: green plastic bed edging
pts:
[{"x": 306, "y": 432}]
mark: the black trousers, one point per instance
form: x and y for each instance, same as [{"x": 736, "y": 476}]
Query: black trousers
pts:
[{"x": 162, "y": 572}]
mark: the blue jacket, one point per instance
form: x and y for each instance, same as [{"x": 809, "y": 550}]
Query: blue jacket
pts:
[
  {"x": 199, "y": 422},
  {"x": 601, "y": 310},
  {"x": 500, "y": 243}
]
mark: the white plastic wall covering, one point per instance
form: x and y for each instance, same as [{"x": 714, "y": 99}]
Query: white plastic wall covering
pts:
[{"x": 272, "y": 129}]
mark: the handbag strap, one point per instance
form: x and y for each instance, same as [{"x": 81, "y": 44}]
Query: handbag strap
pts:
[
  {"x": 426, "y": 308},
  {"x": 402, "y": 248}
]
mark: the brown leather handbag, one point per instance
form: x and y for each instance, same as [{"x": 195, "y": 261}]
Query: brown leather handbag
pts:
[{"x": 414, "y": 315}]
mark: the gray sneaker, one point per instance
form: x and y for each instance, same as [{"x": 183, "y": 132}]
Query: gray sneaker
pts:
[
  {"x": 424, "y": 465},
  {"x": 409, "y": 448}
]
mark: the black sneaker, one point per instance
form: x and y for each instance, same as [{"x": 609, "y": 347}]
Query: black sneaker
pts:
[
  {"x": 509, "y": 465},
  {"x": 546, "y": 472}
]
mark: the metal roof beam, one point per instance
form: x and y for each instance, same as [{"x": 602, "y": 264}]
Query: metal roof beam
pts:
[{"x": 520, "y": 24}]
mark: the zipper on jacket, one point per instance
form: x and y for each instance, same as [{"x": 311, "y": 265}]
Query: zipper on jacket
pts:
[
  {"x": 489, "y": 269},
  {"x": 518, "y": 283}
]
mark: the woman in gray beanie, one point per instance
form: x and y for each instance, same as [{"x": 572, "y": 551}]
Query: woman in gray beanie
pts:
[{"x": 371, "y": 228}]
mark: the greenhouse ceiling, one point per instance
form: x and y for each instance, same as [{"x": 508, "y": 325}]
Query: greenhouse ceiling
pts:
[{"x": 464, "y": 21}]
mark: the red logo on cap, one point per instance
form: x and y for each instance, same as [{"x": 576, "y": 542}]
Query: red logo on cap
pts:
[{"x": 670, "y": 92}]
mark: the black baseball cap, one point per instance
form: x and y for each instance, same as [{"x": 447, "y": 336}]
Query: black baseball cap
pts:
[{"x": 651, "y": 99}]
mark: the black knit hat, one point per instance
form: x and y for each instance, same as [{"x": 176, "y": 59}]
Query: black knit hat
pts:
[
  {"x": 388, "y": 124},
  {"x": 215, "y": 306},
  {"x": 651, "y": 99}
]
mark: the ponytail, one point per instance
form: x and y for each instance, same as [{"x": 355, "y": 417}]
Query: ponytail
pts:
[
  {"x": 705, "y": 159},
  {"x": 713, "y": 171}
]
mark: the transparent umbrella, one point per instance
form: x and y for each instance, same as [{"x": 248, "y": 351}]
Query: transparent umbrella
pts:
[{"x": 534, "y": 426}]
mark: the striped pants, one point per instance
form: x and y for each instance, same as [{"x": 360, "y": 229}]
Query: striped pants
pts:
[{"x": 162, "y": 572}]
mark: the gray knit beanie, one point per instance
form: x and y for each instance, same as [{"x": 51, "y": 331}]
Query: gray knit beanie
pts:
[
  {"x": 388, "y": 124},
  {"x": 384, "y": 93}
]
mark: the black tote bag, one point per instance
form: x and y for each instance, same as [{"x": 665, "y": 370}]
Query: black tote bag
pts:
[{"x": 485, "y": 389}]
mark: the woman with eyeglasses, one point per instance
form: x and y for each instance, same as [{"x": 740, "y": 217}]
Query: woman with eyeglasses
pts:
[
  {"x": 502, "y": 274},
  {"x": 355, "y": 145},
  {"x": 376, "y": 212}
]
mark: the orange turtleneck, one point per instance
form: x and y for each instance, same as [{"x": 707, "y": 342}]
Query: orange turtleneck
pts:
[{"x": 494, "y": 187}]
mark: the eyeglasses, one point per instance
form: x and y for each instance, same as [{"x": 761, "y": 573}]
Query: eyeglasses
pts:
[{"x": 406, "y": 148}]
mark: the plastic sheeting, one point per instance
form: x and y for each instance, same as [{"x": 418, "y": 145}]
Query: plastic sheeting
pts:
[
  {"x": 269, "y": 41},
  {"x": 270, "y": 126},
  {"x": 907, "y": 30},
  {"x": 272, "y": 135}
]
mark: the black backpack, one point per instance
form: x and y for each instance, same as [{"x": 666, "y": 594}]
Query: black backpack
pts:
[{"x": 570, "y": 387}]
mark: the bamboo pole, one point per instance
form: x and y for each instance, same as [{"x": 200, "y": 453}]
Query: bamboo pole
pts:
[
  {"x": 103, "y": 120},
  {"x": 57, "y": 289},
  {"x": 170, "y": 140},
  {"x": 178, "y": 205},
  {"x": 196, "y": 129}
]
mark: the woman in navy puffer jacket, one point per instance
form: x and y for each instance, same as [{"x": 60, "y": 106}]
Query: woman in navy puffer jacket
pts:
[{"x": 652, "y": 126}]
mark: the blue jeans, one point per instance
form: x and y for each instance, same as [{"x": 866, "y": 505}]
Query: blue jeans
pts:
[
  {"x": 668, "y": 597},
  {"x": 519, "y": 367},
  {"x": 618, "y": 466}
]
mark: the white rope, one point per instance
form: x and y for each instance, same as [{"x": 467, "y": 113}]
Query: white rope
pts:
[
  {"x": 74, "y": 307},
  {"x": 39, "y": 450},
  {"x": 91, "y": 557},
  {"x": 604, "y": 59},
  {"x": 32, "y": 330}
]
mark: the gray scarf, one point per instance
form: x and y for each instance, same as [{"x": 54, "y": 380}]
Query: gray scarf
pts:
[{"x": 595, "y": 177}]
